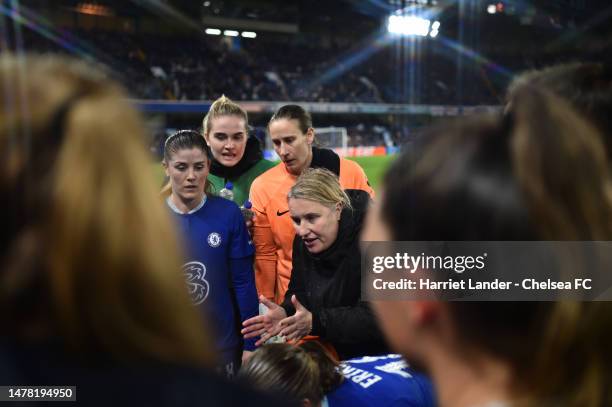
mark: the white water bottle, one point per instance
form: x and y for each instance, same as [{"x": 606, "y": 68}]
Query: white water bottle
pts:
[{"x": 227, "y": 192}]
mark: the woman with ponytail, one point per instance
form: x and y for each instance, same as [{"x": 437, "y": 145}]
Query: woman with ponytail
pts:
[
  {"x": 540, "y": 173},
  {"x": 91, "y": 294},
  {"x": 219, "y": 263},
  {"x": 309, "y": 377},
  {"x": 236, "y": 156}
]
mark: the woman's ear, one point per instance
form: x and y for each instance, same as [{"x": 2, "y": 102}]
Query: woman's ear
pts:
[
  {"x": 165, "y": 165},
  {"x": 310, "y": 135},
  {"x": 338, "y": 211},
  {"x": 306, "y": 403}
]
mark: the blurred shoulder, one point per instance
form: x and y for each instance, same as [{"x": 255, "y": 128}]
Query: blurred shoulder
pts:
[{"x": 104, "y": 383}]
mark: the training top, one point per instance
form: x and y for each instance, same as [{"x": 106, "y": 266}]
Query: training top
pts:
[
  {"x": 219, "y": 269},
  {"x": 380, "y": 381},
  {"x": 273, "y": 230}
]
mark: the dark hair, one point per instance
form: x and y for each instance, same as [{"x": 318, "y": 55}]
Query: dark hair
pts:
[
  {"x": 293, "y": 112},
  {"x": 587, "y": 86},
  {"x": 298, "y": 372},
  {"x": 186, "y": 139},
  {"x": 538, "y": 173}
]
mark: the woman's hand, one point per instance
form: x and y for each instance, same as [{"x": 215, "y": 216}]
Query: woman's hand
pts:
[
  {"x": 267, "y": 325},
  {"x": 298, "y": 325}
]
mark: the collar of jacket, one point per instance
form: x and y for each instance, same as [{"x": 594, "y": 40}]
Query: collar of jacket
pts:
[
  {"x": 252, "y": 155},
  {"x": 349, "y": 229},
  {"x": 325, "y": 158}
]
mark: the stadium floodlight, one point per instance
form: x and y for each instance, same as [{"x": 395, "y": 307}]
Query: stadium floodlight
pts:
[
  {"x": 230, "y": 33},
  {"x": 491, "y": 9},
  {"x": 433, "y": 33},
  {"x": 212, "y": 31},
  {"x": 249, "y": 34},
  {"x": 435, "y": 26},
  {"x": 408, "y": 25}
]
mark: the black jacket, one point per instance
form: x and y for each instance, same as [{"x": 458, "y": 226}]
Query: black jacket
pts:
[{"x": 328, "y": 284}]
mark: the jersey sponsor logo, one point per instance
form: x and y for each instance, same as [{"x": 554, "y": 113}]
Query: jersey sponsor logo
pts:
[
  {"x": 214, "y": 239},
  {"x": 197, "y": 285},
  {"x": 279, "y": 213}
]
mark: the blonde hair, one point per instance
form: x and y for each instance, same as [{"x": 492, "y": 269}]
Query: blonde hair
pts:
[
  {"x": 108, "y": 277},
  {"x": 295, "y": 372},
  {"x": 319, "y": 185},
  {"x": 224, "y": 106}
]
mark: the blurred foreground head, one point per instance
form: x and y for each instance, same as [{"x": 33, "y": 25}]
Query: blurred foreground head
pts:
[
  {"x": 87, "y": 252},
  {"x": 539, "y": 173},
  {"x": 586, "y": 86},
  {"x": 302, "y": 374}
]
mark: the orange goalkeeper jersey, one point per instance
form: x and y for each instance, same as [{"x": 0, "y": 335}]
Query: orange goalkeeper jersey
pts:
[{"x": 273, "y": 230}]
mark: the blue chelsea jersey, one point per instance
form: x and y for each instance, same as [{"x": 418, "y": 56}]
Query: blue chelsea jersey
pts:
[
  {"x": 382, "y": 380},
  {"x": 215, "y": 235}
]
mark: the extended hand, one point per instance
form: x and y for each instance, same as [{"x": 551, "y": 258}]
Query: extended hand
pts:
[
  {"x": 298, "y": 325},
  {"x": 267, "y": 325}
]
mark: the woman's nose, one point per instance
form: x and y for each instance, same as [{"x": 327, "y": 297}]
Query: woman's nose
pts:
[{"x": 302, "y": 230}]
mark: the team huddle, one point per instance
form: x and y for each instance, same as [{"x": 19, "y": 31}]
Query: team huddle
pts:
[
  {"x": 93, "y": 295},
  {"x": 303, "y": 237}
]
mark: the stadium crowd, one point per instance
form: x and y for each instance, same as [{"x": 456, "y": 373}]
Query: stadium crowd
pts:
[{"x": 158, "y": 67}]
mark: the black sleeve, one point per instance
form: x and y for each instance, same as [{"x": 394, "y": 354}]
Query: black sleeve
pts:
[
  {"x": 296, "y": 282},
  {"x": 353, "y": 324}
]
